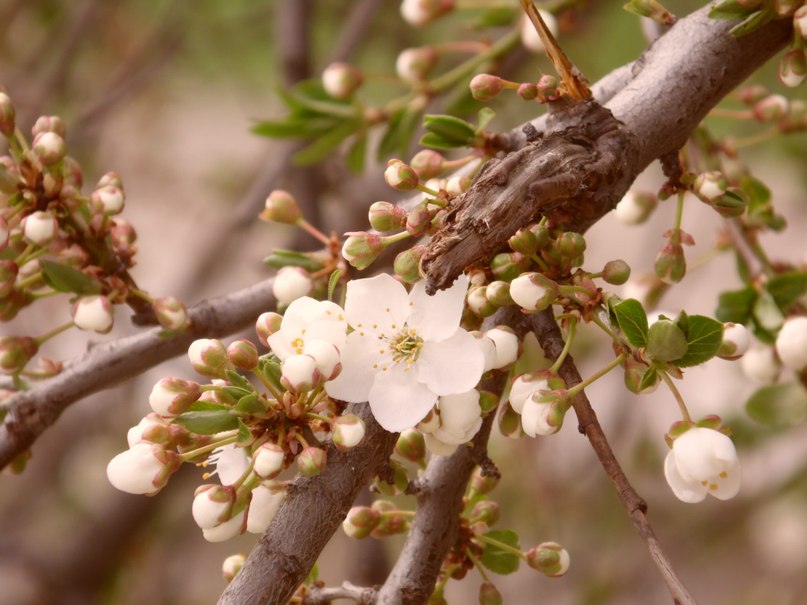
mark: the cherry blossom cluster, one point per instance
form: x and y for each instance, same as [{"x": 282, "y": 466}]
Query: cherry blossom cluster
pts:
[{"x": 54, "y": 238}]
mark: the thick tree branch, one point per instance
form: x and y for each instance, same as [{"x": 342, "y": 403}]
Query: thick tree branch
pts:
[
  {"x": 313, "y": 511},
  {"x": 551, "y": 340},
  {"x": 31, "y": 412},
  {"x": 584, "y": 163}
]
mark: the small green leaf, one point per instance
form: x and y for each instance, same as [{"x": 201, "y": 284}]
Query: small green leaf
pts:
[
  {"x": 632, "y": 320},
  {"x": 728, "y": 9},
  {"x": 357, "y": 153},
  {"x": 249, "y": 404},
  {"x": 244, "y": 434},
  {"x": 787, "y": 288},
  {"x": 64, "y": 278},
  {"x": 207, "y": 422},
  {"x": 235, "y": 379},
  {"x": 649, "y": 378},
  {"x": 437, "y": 142},
  {"x": 396, "y": 139},
  {"x": 736, "y": 306},
  {"x": 290, "y": 258},
  {"x": 779, "y": 405},
  {"x": 333, "y": 280},
  {"x": 269, "y": 366},
  {"x": 497, "y": 560},
  {"x": 753, "y": 22},
  {"x": 704, "y": 336},
  {"x": 452, "y": 129},
  {"x": 484, "y": 117},
  {"x": 295, "y": 127},
  {"x": 326, "y": 144},
  {"x": 202, "y": 406}
]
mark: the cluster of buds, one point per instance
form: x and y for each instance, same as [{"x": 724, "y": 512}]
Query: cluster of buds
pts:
[
  {"x": 766, "y": 107},
  {"x": 484, "y": 87},
  {"x": 54, "y": 238},
  {"x": 251, "y": 435}
]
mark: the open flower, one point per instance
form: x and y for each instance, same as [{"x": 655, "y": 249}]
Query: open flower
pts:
[
  {"x": 703, "y": 461},
  {"x": 406, "y": 350}
]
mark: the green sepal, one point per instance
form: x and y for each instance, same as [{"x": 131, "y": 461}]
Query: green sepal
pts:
[
  {"x": 249, "y": 404},
  {"x": 333, "y": 281},
  {"x": 704, "y": 336},
  {"x": 64, "y": 278},
  {"x": 728, "y": 9},
  {"x": 753, "y": 22},
  {"x": 632, "y": 320},
  {"x": 779, "y": 405},
  {"x": 244, "y": 434},
  {"x": 207, "y": 422},
  {"x": 497, "y": 560},
  {"x": 291, "y": 258},
  {"x": 205, "y": 406},
  {"x": 269, "y": 366},
  {"x": 649, "y": 378},
  {"x": 235, "y": 379},
  {"x": 452, "y": 130}
]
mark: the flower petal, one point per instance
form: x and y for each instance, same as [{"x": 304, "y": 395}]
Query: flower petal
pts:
[
  {"x": 437, "y": 317},
  {"x": 451, "y": 366},
  {"x": 231, "y": 463},
  {"x": 398, "y": 400},
  {"x": 378, "y": 304},
  {"x": 353, "y": 383},
  {"x": 686, "y": 491}
]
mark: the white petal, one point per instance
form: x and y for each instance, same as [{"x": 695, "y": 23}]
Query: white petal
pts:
[
  {"x": 232, "y": 462},
  {"x": 523, "y": 388},
  {"x": 225, "y": 531},
  {"x": 460, "y": 417},
  {"x": 437, "y": 317},
  {"x": 533, "y": 419},
  {"x": 357, "y": 375},
  {"x": 686, "y": 491},
  {"x": 437, "y": 447},
  {"x": 377, "y": 304},
  {"x": 262, "y": 508},
  {"x": 702, "y": 454},
  {"x": 135, "y": 470},
  {"x": 451, "y": 366},
  {"x": 398, "y": 400}
]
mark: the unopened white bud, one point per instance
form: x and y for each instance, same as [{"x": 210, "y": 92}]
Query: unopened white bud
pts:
[
  {"x": 326, "y": 356},
  {"x": 791, "y": 343},
  {"x": 142, "y": 469},
  {"x": 735, "y": 341},
  {"x": 267, "y": 499},
  {"x": 299, "y": 373},
  {"x": 93, "y": 313},
  {"x": 760, "y": 364},
  {"x": 290, "y": 284},
  {"x": 39, "y": 227},
  {"x": 506, "y": 345},
  {"x": 530, "y": 38},
  {"x": 348, "y": 431},
  {"x": 268, "y": 460},
  {"x": 212, "y": 505},
  {"x": 341, "y": 80},
  {"x": 109, "y": 199},
  {"x": 227, "y": 530}
]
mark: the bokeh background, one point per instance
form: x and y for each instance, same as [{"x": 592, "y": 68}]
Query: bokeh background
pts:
[{"x": 165, "y": 93}]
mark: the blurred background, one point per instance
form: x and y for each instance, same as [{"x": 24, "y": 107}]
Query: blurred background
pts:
[{"x": 165, "y": 93}]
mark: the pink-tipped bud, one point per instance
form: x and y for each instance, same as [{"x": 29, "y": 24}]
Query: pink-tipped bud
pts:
[
  {"x": 485, "y": 87},
  {"x": 550, "y": 558},
  {"x": 418, "y": 220},
  {"x": 341, "y": 80},
  {"x": 360, "y": 521},
  {"x": 421, "y": 12},
  {"x": 269, "y": 460},
  {"x": 616, "y": 272},
  {"x": 93, "y": 314},
  {"x": 361, "y": 249},
  {"x": 208, "y": 357},
  {"x": 281, "y": 207},
  {"x": 299, "y": 373},
  {"x": 800, "y": 21},
  {"x": 49, "y": 147},
  {"x": 793, "y": 68},
  {"x": 311, "y": 461},
  {"x": 348, "y": 431},
  {"x": 16, "y": 352},
  {"x": 770, "y": 109},
  {"x": 415, "y": 64},
  {"x": 486, "y": 511},
  {"x": 7, "y": 115},
  {"x": 171, "y": 313},
  {"x": 39, "y": 227},
  {"x": 457, "y": 185},
  {"x": 212, "y": 505},
  {"x": 428, "y": 164},
  {"x": 400, "y": 176},
  {"x": 290, "y": 284},
  {"x": 547, "y": 87},
  {"x": 385, "y": 216},
  {"x": 8, "y": 276},
  {"x": 498, "y": 293},
  {"x": 508, "y": 266},
  {"x": 48, "y": 124},
  {"x": 478, "y": 302},
  {"x": 527, "y": 91},
  {"x": 123, "y": 237},
  {"x": 243, "y": 354},
  {"x": 232, "y": 565},
  {"x": 524, "y": 241},
  {"x": 143, "y": 469},
  {"x": 483, "y": 482},
  {"x": 407, "y": 264},
  {"x": 173, "y": 396},
  {"x": 108, "y": 200},
  {"x": 266, "y": 325},
  {"x": 410, "y": 445}
]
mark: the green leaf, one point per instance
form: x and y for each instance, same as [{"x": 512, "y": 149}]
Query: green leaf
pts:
[
  {"x": 495, "y": 17},
  {"x": 201, "y": 406},
  {"x": 779, "y": 405},
  {"x": 357, "y": 153},
  {"x": 64, "y": 278},
  {"x": 632, "y": 320},
  {"x": 244, "y": 434},
  {"x": 497, "y": 560},
  {"x": 649, "y": 378},
  {"x": 326, "y": 144},
  {"x": 249, "y": 404},
  {"x": 295, "y": 127},
  {"x": 437, "y": 142},
  {"x": 485, "y": 115},
  {"x": 736, "y": 306},
  {"x": 291, "y": 258},
  {"x": 704, "y": 337},
  {"x": 333, "y": 280},
  {"x": 459, "y": 132},
  {"x": 309, "y": 97},
  {"x": 728, "y": 9},
  {"x": 207, "y": 422},
  {"x": 235, "y": 379},
  {"x": 753, "y": 22},
  {"x": 787, "y": 288},
  {"x": 269, "y": 366}
]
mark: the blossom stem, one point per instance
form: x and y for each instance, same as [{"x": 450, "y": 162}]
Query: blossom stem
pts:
[
  {"x": 576, "y": 389},
  {"x": 459, "y": 73},
  {"x": 320, "y": 417},
  {"x": 428, "y": 190},
  {"x": 501, "y": 546},
  {"x": 56, "y": 331},
  {"x": 603, "y": 326},
  {"x": 566, "y": 346},
  {"x": 268, "y": 385},
  {"x": 679, "y": 213},
  {"x": 540, "y": 262},
  {"x": 206, "y": 449},
  {"x": 313, "y": 231},
  {"x": 677, "y": 394},
  {"x": 760, "y": 137},
  {"x": 476, "y": 563}
]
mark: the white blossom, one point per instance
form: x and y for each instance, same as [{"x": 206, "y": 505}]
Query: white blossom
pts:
[
  {"x": 405, "y": 350},
  {"x": 523, "y": 388},
  {"x": 225, "y": 531},
  {"x": 299, "y": 373},
  {"x": 791, "y": 343},
  {"x": 93, "y": 313},
  {"x": 212, "y": 505},
  {"x": 231, "y": 463},
  {"x": 760, "y": 364},
  {"x": 142, "y": 469},
  {"x": 505, "y": 344},
  {"x": 267, "y": 499},
  {"x": 290, "y": 284},
  {"x": 703, "y": 461},
  {"x": 305, "y": 322},
  {"x": 535, "y": 418},
  {"x": 460, "y": 418},
  {"x": 268, "y": 460}
]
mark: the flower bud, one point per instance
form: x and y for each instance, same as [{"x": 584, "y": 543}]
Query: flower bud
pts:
[
  {"x": 527, "y": 91},
  {"x": 793, "y": 68},
  {"x": 524, "y": 241},
  {"x": 570, "y": 244},
  {"x": 616, "y": 272},
  {"x": 299, "y": 373},
  {"x": 671, "y": 264},
  {"x": 547, "y": 87},
  {"x": 173, "y": 396},
  {"x": 386, "y": 217},
  {"x": 420, "y": 12},
  {"x": 530, "y": 38},
  {"x": 153, "y": 428},
  {"x": 489, "y": 595},
  {"x": 524, "y": 386},
  {"x": 311, "y": 461},
  {"x": 710, "y": 185},
  {"x": 533, "y": 291},
  {"x": 550, "y": 558},
  {"x": 418, "y": 220},
  {"x": 478, "y": 302},
  {"x": 510, "y": 422},
  {"x": 459, "y": 184},
  {"x": 736, "y": 341},
  {"x": 208, "y": 357},
  {"x": 93, "y": 314},
  {"x": 498, "y": 293},
  {"x": 108, "y": 200},
  {"x": 8, "y": 276},
  {"x": 290, "y": 284},
  {"x": 348, "y": 431},
  {"x": 123, "y": 237},
  {"x": 266, "y": 500},
  {"x": 142, "y": 469},
  {"x": 268, "y": 460},
  {"x": 760, "y": 364},
  {"x": 482, "y": 483},
  {"x": 171, "y": 313},
  {"x": 506, "y": 344},
  {"x": 800, "y": 21},
  {"x": 39, "y": 227},
  {"x": 281, "y": 207},
  {"x": 508, "y": 266},
  {"x": 361, "y": 249},
  {"x": 16, "y": 352},
  {"x": 360, "y": 521},
  {"x": 7, "y": 115},
  {"x": 539, "y": 417},
  {"x": 243, "y": 354},
  {"x": 770, "y": 109},
  {"x": 227, "y": 530},
  {"x": 732, "y": 204},
  {"x": 415, "y": 64},
  {"x": 395, "y": 482},
  {"x": 427, "y": 164},
  {"x": 635, "y": 207},
  {"x": 407, "y": 264},
  {"x": 635, "y": 372},
  {"x": 791, "y": 343},
  {"x": 666, "y": 341},
  {"x": 485, "y": 86},
  {"x": 410, "y": 446},
  {"x": 400, "y": 176},
  {"x": 49, "y": 148},
  {"x": 212, "y": 505},
  {"x": 48, "y": 124},
  {"x": 232, "y": 565},
  {"x": 485, "y": 511},
  {"x": 341, "y": 80},
  {"x": 266, "y": 325}
]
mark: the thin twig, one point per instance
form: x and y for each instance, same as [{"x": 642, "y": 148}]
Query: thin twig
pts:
[{"x": 357, "y": 594}]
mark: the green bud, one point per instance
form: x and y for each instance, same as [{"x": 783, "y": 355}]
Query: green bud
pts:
[
  {"x": 486, "y": 511},
  {"x": 281, "y": 207},
  {"x": 411, "y": 446},
  {"x": 485, "y": 86},
  {"x": 489, "y": 595},
  {"x": 427, "y": 163},
  {"x": 478, "y": 302},
  {"x": 16, "y": 352},
  {"x": 418, "y": 220},
  {"x": 361, "y": 248},
  {"x": 509, "y": 422},
  {"x": 400, "y": 176},
  {"x": 527, "y": 91},
  {"x": 311, "y": 461},
  {"x": 509, "y": 265},
  {"x": 482, "y": 483},
  {"x": 571, "y": 244},
  {"x": 671, "y": 265},
  {"x": 550, "y": 558},
  {"x": 524, "y": 241},
  {"x": 407, "y": 264},
  {"x": 498, "y": 293},
  {"x": 385, "y": 216},
  {"x": 243, "y": 354},
  {"x": 666, "y": 341}
]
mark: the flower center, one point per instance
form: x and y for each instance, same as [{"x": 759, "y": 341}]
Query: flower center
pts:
[{"x": 405, "y": 346}]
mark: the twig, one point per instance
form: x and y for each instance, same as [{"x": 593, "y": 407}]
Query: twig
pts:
[
  {"x": 551, "y": 340},
  {"x": 357, "y": 594}
]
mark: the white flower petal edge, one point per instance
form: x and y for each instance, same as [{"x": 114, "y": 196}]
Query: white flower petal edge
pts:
[{"x": 703, "y": 461}]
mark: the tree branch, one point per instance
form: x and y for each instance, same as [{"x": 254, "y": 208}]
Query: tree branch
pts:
[
  {"x": 551, "y": 340},
  {"x": 313, "y": 511},
  {"x": 31, "y": 412}
]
